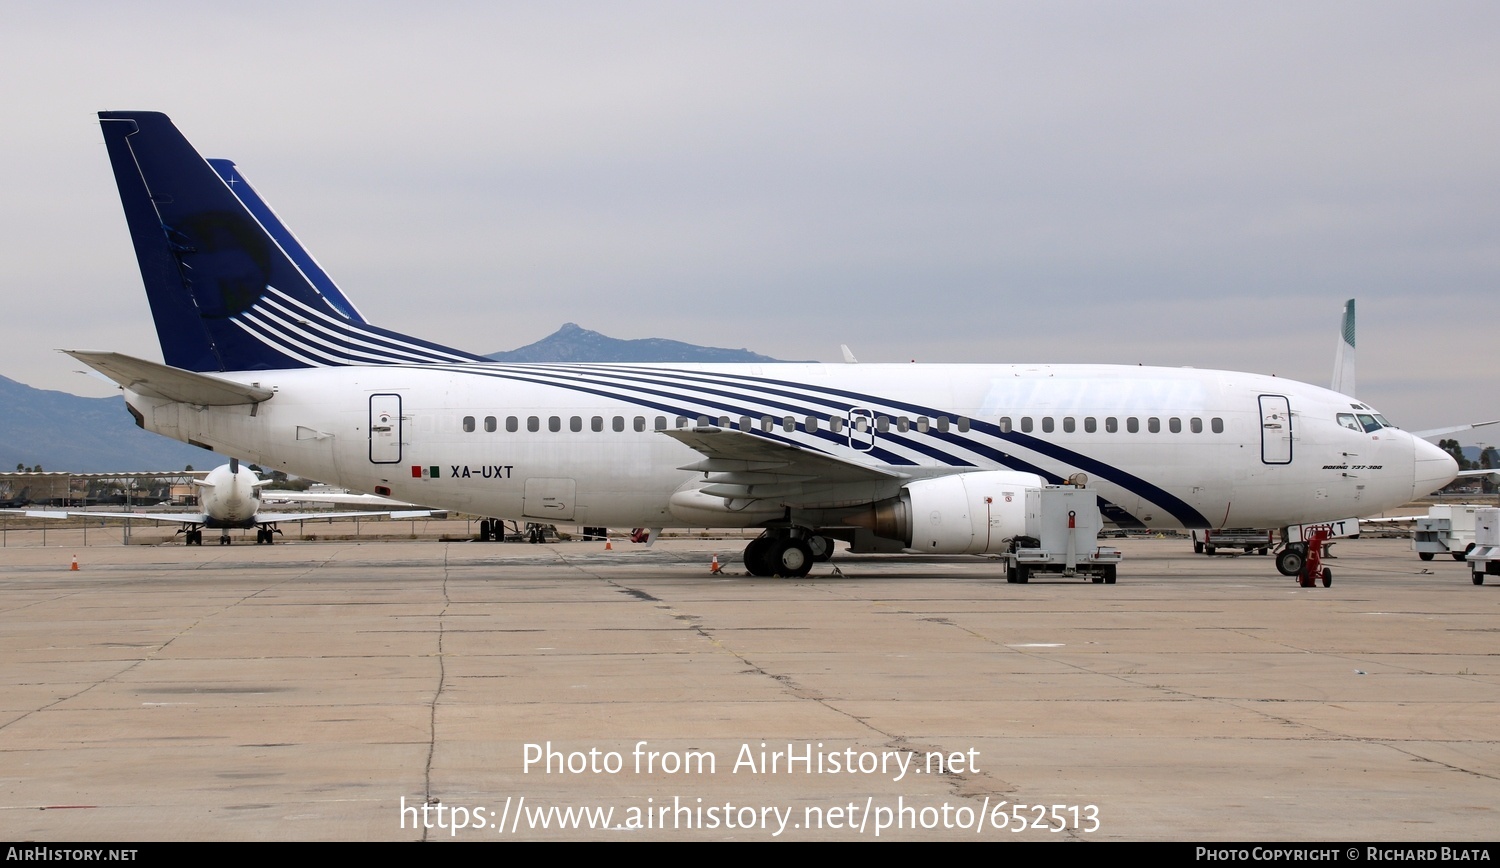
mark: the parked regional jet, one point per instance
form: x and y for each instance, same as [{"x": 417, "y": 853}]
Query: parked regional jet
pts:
[
  {"x": 267, "y": 359},
  {"x": 230, "y": 496}
]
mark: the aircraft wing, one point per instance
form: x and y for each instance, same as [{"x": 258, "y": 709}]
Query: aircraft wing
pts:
[
  {"x": 289, "y": 496},
  {"x": 1493, "y": 471},
  {"x": 747, "y": 467},
  {"x": 1452, "y": 429},
  {"x": 164, "y": 517},
  {"x": 274, "y": 517}
]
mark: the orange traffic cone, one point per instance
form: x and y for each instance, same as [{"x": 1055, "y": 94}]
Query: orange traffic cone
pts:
[
  {"x": 74, "y": 568},
  {"x": 713, "y": 568},
  {"x": 608, "y": 546}
]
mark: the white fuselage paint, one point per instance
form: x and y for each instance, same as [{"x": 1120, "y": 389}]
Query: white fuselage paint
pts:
[
  {"x": 230, "y": 499},
  {"x": 371, "y": 428}
]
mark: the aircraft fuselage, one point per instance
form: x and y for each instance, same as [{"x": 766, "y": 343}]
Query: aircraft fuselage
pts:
[{"x": 584, "y": 444}]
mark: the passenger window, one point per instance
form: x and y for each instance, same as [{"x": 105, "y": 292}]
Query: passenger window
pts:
[
  {"x": 963, "y": 424},
  {"x": 835, "y": 424},
  {"x": 469, "y": 424},
  {"x": 618, "y": 424},
  {"x": 943, "y": 424},
  {"x": 533, "y": 424},
  {"x": 1089, "y": 425},
  {"x": 1174, "y": 425},
  {"x": 683, "y": 421},
  {"x": 810, "y": 424},
  {"x": 575, "y": 424},
  {"x": 489, "y": 424},
  {"x": 1132, "y": 425},
  {"x": 1197, "y": 425},
  {"x": 1046, "y": 424},
  {"x": 788, "y": 424},
  {"x": 1218, "y": 425},
  {"x": 923, "y": 424},
  {"x": 744, "y": 423},
  {"x": 704, "y": 421},
  {"x": 554, "y": 424},
  {"x": 1068, "y": 425},
  {"x": 661, "y": 423},
  {"x": 903, "y": 424},
  {"x": 1004, "y": 424},
  {"x": 766, "y": 424},
  {"x": 597, "y": 423},
  {"x": 639, "y": 423},
  {"x": 512, "y": 424},
  {"x": 1153, "y": 425},
  {"x": 723, "y": 421},
  {"x": 1025, "y": 424},
  {"x": 882, "y": 424},
  {"x": 1111, "y": 425}
]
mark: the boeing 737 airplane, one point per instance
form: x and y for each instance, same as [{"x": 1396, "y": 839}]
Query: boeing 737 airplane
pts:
[
  {"x": 266, "y": 359},
  {"x": 230, "y": 497}
]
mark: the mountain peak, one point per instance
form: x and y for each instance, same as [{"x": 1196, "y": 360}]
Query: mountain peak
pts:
[{"x": 574, "y": 343}]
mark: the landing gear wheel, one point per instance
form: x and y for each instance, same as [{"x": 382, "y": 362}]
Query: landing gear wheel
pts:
[
  {"x": 224, "y": 540},
  {"x": 1426, "y": 556},
  {"x": 1327, "y": 577},
  {"x": 792, "y": 558},
  {"x": 756, "y": 563},
  {"x": 822, "y": 548},
  {"x": 1289, "y": 562}
]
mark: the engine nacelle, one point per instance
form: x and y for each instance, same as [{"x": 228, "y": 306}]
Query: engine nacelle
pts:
[{"x": 966, "y": 513}]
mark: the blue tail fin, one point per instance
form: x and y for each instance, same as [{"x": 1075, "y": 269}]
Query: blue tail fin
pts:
[{"x": 231, "y": 289}]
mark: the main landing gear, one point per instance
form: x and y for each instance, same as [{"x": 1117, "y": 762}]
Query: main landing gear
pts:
[{"x": 786, "y": 556}]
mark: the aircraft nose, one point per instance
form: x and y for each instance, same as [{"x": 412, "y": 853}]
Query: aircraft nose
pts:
[{"x": 1435, "y": 468}]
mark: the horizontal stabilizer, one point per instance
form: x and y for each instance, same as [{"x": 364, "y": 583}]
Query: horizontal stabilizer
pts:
[{"x": 173, "y": 384}]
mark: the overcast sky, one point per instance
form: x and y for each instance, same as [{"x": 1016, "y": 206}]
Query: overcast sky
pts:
[{"x": 1166, "y": 183}]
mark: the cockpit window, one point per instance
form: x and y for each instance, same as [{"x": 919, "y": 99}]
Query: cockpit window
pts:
[
  {"x": 1369, "y": 422},
  {"x": 1348, "y": 421},
  {"x": 1383, "y": 421}
]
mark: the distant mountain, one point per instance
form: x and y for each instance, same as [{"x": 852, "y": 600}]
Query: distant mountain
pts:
[
  {"x": 60, "y": 431},
  {"x": 572, "y": 343}
]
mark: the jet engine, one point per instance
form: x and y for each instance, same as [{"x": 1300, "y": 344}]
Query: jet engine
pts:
[{"x": 966, "y": 513}]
